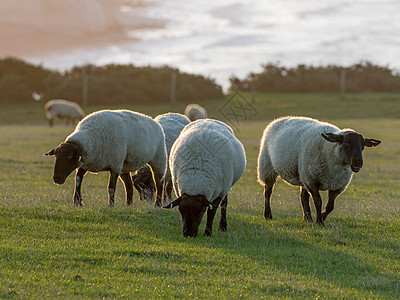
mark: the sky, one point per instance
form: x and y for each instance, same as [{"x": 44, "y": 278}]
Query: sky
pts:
[{"x": 217, "y": 39}]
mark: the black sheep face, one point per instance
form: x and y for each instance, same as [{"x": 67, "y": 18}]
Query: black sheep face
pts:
[
  {"x": 144, "y": 183},
  {"x": 351, "y": 145},
  {"x": 192, "y": 209},
  {"x": 68, "y": 158}
]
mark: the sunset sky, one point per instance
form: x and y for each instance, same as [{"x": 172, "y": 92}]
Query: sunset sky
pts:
[{"x": 214, "y": 38}]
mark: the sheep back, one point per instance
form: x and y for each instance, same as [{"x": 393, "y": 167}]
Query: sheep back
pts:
[
  {"x": 206, "y": 159},
  {"x": 293, "y": 148},
  {"x": 195, "y": 112},
  {"x": 172, "y": 124},
  {"x": 63, "y": 109},
  {"x": 119, "y": 140}
]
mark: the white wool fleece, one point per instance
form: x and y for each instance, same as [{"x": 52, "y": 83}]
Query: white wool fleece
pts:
[
  {"x": 63, "y": 108},
  {"x": 293, "y": 148},
  {"x": 172, "y": 124},
  {"x": 207, "y": 159},
  {"x": 121, "y": 141},
  {"x": 195, "y": 112}
]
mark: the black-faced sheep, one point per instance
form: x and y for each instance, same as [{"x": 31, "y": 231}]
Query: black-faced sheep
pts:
[
  {"x": 314, "y": 155},
  {"x": 172, "y": 124},
  {"x": 63, "y": 109},
  {"x": 195, "y": 112},
  {"x": 118, "y": 141},
  {"x": 206, "y": 160}
]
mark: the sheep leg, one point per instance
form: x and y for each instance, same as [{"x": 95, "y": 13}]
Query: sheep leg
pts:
[
  {"x": 126, "y": 179},
  {"x": 267, "y": 200},
  {"x": 158, "y": 178},
  {"x": 223, "y": 225},
  {"x": 331, "y": 203},
  {"x": 318, "y": 204},
  {"x": 159, "y": 194},
  {"x": 210, "y": 216},
  {"x": 112, "y": 183},
  {"x": 168, "y": 190},
  {"x": 78, "y": 183},
  {"x": 305, "y": 204}
]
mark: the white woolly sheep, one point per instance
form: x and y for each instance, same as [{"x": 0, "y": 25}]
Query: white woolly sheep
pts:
[
  {"x": 63, "y": 109},
  {"x": 313, "y": 155},
  {"x": 206, "y": 160},
  {"x": 119, "y": 141},
  {"x": 172, "y": 124},
  {"x": 195, "y": 112}
]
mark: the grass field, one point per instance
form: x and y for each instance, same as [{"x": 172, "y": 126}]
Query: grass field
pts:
[{"x": 49, "y": 248}]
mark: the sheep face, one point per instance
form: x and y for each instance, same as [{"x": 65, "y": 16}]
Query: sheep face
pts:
[
  {"x": 351, "y": 144},
  {"x": 192, "y": 209},
  {"x": 68, "y": 158},
  {"x": 144, "y": 183}
]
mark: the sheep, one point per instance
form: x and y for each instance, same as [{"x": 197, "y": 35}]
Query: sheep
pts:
[
  {"x": 195, "y": 112},
  {"x": 205, "y": 161},
  {"x": 143, "y": 182},
  {"x": 314, "y": 155},
  {"x": 118, "y": 141},
  {"x": 172, "y": 124},
  {"x": 63, "y": 109}
]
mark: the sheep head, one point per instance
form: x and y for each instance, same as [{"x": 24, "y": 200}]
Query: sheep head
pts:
[
  {"x": 68, "y": 158},
  {"x": 351, "y": 144},
  {"x": 192, "y": 209},
  {"x": 144, "y": 183}
]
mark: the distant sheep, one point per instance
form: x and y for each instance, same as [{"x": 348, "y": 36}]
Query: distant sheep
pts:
[
  {"x": 63, "y": 109},
  {"x": 206, "y": 160},
  {"x": 313, "y": 155},
  {"x": 172, "y": 124},
  {"x": 119, "y": 141},
  {"x": 195, "y": 112}
]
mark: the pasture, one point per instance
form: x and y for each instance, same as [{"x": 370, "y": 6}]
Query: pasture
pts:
[{"x": 50, "y": 248}]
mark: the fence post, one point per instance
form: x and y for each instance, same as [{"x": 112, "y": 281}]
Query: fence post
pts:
[
  {"x": 342, "y": 83},
  {"x": 173, "y": 87}
]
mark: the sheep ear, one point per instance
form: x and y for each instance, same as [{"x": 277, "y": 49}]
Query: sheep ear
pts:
[
  {"x": 50, "y": 153},
  {"x": 333, "y": 138},
  {"x": 174, "y": 203},
  {"x": 371, "y": 142}
]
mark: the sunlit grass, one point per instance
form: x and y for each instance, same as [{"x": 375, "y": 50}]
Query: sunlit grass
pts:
[{"x": 49, "y": 248}]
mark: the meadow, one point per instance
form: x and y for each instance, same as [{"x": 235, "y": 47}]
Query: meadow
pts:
[{"x": 50, "y": 248}]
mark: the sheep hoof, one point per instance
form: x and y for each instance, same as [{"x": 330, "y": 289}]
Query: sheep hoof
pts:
[
  {"x": 223, "y": 227},
  {"x": 307, "y": 218},
  {"x": 207, "y": 232},
  {"x": 78, "y": 203},
  {"x": 324, "y": 215},
  {"x": 268, "y": 216}
]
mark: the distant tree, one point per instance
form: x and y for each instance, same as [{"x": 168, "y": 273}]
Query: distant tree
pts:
[{"x": 360, "y": 77}]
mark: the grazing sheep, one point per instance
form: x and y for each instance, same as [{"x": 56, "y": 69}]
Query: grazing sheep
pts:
[
  {"x": 195, "y": 112},
  {"x": 143, "y": 182},
  {"x": 172, "y": 124},
  {"x": 206, "y": 160},
  {"x": 119, "y": 141},
  {"x": 313, "y": 155},
  {"x": 63, "y": 109}
]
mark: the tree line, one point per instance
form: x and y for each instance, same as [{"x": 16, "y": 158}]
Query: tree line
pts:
[
  {"x": 127, "y": 84},
  {"x": 360, "y": 77},
  {"x": 109, "y": 84}
]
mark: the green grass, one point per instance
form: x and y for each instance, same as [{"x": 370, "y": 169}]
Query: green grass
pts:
[{"x": 49, "y": 248}]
